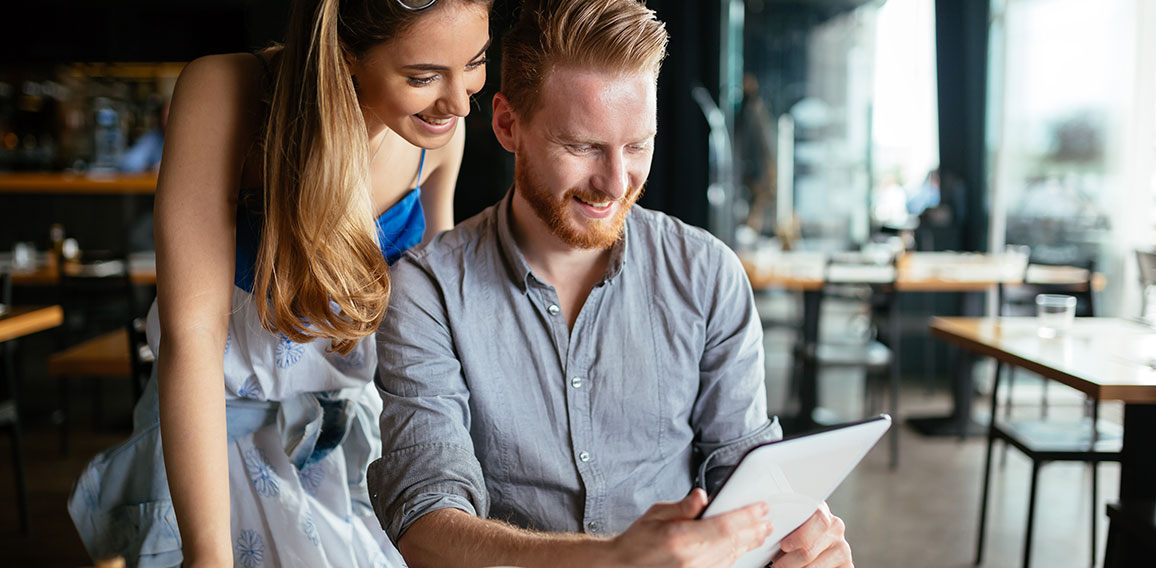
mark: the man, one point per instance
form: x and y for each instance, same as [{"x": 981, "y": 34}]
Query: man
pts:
[{"x": 558, "y": 364}]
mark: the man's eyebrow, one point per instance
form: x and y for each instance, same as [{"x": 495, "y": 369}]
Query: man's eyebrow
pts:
[
  {"x": 574, "y": 139},
  {"x": 436, "y": 67}
]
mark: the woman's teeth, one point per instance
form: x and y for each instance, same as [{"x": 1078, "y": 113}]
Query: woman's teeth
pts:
[{"x": 435, "y": 121}]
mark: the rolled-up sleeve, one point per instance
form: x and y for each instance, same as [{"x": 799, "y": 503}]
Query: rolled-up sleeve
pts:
[
  {"x": 427, "y": 459},
  {"x": 730, "y": 415}
]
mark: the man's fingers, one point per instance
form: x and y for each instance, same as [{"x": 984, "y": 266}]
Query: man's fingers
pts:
[
  {"x": 688, "y": 508},
  {"x": 810, "y": 533},
  {"x": 833, "y": 557}
]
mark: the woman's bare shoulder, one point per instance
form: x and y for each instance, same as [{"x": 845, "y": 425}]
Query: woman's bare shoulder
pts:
[{"x": 225, "y": 75}]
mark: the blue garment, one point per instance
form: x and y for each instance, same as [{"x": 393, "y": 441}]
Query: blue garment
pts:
[
  {"x": 302, "y": 429},
  {"x": 398, "y": 229}
]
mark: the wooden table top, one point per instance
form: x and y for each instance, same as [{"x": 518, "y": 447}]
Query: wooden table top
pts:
[
  {"x": 19, "y": 321},
  {"x": 1106, "y": 358},
  {"x": 142, "y": 271},
  {"x": 916, "y": 272},
  {"x": 78, "y": 183}
]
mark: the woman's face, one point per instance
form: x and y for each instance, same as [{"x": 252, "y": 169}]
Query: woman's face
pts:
[{"x": 419, "y": 84}]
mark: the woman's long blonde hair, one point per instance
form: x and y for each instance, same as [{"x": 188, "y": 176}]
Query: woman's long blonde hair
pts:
[{"x": 319, "y": 271}]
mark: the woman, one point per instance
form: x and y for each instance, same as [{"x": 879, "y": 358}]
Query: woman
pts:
[{"x": 290, "y": 177}]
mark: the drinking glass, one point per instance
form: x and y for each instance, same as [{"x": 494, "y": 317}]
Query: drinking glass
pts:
[{"x": 1055, "y": 314}]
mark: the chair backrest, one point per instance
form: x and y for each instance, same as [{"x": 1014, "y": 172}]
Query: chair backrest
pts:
[
  {"x": 140, "y": 356},
  {"x": 96, "y": 295},
  {"x": 1146, "y": 259},
  {"x": 1020, "y": 300},
  {"x": 865, "y": 280},
  {"x": 5, "y": 287}
]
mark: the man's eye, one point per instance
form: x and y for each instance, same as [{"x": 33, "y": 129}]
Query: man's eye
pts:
[{"x": 580, "y": 148}]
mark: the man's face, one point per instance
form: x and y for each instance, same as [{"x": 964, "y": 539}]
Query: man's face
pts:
[{"x": 582, "y": 160}]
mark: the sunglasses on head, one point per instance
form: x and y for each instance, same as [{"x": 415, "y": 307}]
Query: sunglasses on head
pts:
[{"x": 416, "y": 4}]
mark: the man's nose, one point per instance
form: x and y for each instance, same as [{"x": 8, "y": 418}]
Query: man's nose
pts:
[{"x": 614, "y": 179}]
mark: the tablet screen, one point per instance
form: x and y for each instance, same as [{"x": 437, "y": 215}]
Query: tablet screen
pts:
[{"x": 793, "y": 476}]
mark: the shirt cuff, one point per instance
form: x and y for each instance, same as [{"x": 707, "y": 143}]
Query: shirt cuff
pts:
[
  {"x": 717, "y": 465},
  {"x": 434, "y": 476}
]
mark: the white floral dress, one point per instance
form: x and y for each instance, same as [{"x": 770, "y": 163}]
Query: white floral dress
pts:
[{"x": 302, "y": 428}]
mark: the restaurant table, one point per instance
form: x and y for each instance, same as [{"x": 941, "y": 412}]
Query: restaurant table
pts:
[
  {"x": 1105, "y": 358},
  {"x": 971, "y": 273},
  {"x": 17, "y": 322},
  {"x": 83, "y": 183},
  {"x": 142, "y": 270}
]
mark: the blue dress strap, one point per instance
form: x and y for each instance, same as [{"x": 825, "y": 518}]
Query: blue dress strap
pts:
[{"x": 420, "y": 165}]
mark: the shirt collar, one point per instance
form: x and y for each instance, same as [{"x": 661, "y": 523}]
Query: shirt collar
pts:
[{"x": 520, "y": 270}]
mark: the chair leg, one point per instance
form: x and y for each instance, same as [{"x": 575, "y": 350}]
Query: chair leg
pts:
[
  {"x": 984, "y": 495},
  {"x": 893, "y": 379},
  {"x": 18, "y": 466},
  {"x": 1044, "y": 398},
  {"x": 987, "y": 470},
  {"x": 1095, "y": 500},
  {"x": 62, "y": 386},
  {"x": 1031, "y": 514},
  {"x": 999, "y": 368},
  {"x": 1110, "y": 545}
]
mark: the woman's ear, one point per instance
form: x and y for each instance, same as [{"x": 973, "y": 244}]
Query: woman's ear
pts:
[{"x": 505, "y": 123}]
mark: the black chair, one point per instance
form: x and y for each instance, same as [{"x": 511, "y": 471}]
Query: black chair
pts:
[
  {"x": 140, "y": 356},
  {"x": 873, "y": 346},
  {"x": 1020, "y": 300},
  {"x": 97, "y": 297},
  {"x": 10, "y": 409},
  {"x": 1045, "y": 439},
  {"x": 1137, "y": 520}
]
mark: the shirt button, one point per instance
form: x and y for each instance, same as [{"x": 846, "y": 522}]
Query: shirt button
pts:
[
  {"x": 553, "y": 309},
  {"x": 576, "y": 382},
  {"x": 584, "y": 456},
  {"x": 592, "y": 527}
]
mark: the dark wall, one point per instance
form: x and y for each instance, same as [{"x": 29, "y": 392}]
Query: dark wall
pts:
[
  {"x": 53, "y": 31},
  {"x": 56, "y": 31}
]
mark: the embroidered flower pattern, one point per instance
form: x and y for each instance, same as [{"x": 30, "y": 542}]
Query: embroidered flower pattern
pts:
[
  {"x": 264, "y": 481},
  {"x": 249, "y": 549},
  {"x": 252, "y": 389},
  {"x": 311, "y": 477},
  {"x": 310, "y": 530},
  {"x": 288, "y": 353}
]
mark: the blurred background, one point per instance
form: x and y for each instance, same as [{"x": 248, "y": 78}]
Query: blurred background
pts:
[{"x": 786, "y": 126}]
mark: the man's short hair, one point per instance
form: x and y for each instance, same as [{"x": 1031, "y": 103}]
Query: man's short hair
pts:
[{"x": 618, "y": 36}]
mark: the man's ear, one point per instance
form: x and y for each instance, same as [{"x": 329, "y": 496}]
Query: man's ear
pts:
[{"x": 505, "y": 123}]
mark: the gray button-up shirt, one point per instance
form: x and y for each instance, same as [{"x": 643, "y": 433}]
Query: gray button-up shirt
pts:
[{"x": 493, "y": 406}]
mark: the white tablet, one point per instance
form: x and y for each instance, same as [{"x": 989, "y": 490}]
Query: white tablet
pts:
[{"x": 793, "y": 476}]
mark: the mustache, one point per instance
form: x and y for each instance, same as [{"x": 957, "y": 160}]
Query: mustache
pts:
[{"x": 593, "y": 196}]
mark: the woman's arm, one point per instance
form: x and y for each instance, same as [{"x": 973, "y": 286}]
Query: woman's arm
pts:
[
  {"x": 437, "y": 189},
  {"x": 212, "y": 125}
]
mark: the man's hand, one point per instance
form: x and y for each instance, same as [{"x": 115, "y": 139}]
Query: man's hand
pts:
[
  {"x": 669, "y": 535},
  {"x": 818, "y": 543}
]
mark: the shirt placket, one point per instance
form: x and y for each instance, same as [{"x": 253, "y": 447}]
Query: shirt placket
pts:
[{"x": 576, "y": 386}]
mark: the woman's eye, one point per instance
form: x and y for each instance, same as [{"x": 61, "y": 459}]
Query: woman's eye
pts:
[
  {"x": 422, "y": 81},
  {"x": 476, "y": 64}
]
